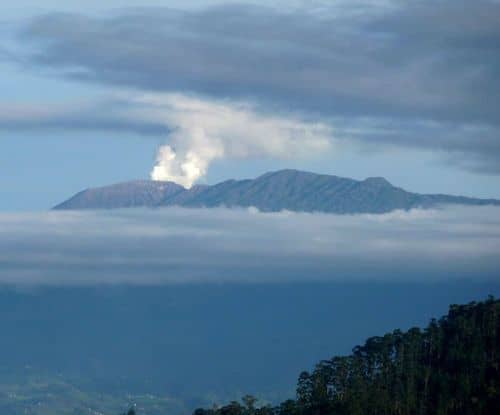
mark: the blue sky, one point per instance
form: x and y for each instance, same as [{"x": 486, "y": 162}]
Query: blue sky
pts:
[{"x": 408, "y": 91}]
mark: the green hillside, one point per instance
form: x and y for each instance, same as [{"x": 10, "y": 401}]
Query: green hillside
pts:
[{"x": 42, "y": 394}]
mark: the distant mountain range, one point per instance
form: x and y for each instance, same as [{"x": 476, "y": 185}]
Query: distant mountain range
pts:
[{"x": 274, "y": 191}]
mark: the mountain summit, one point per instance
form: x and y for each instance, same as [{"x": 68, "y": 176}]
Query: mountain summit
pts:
[{"x": 274, "y": 191}]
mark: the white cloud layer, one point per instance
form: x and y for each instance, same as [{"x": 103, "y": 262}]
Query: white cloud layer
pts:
[{"x": 176, "y": 245}]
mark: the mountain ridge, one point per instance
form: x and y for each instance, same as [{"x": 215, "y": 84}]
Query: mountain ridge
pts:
[{"x": 273, "y": 191}]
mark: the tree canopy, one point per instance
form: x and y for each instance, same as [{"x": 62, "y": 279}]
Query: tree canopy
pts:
[{"x": 452, "y": 367}]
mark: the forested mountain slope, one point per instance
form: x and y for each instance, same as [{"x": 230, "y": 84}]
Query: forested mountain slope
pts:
[{"x": 452, "y": 367}]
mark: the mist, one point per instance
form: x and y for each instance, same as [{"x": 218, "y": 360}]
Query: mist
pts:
[{"x": 179, "y": 245}]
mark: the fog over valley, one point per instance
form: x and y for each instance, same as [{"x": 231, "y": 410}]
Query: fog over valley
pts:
[{"x": 181, "y": 245}]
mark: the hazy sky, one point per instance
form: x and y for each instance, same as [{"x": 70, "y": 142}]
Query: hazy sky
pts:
[{"x": 90, "y": 91}]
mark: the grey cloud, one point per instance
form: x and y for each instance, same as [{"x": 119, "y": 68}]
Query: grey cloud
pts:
[
  {"x": 425, "y": 60},
  {"x": 472, "y": 147},
  {"x": 424, "y": 74},
  {"x": 101, "y": 113},
  {"x": 177, "y": 245}
]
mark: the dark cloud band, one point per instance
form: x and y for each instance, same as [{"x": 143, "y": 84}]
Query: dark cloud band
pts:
[
  {"x": 424, "y": 74},
  {"x": 424, "y": 60}
]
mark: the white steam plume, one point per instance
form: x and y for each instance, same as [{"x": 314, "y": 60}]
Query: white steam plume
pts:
[{"x": 204, "y": 131}]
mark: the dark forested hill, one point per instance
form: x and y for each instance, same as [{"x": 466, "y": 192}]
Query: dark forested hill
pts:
[
  {"x": 172, "y": 348},
  {"x": 452, "y": 367},
  {"x": 281, "y": 190}
]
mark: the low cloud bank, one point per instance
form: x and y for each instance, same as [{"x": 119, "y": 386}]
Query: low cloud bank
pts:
[{"x": 177, "y": 245}]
